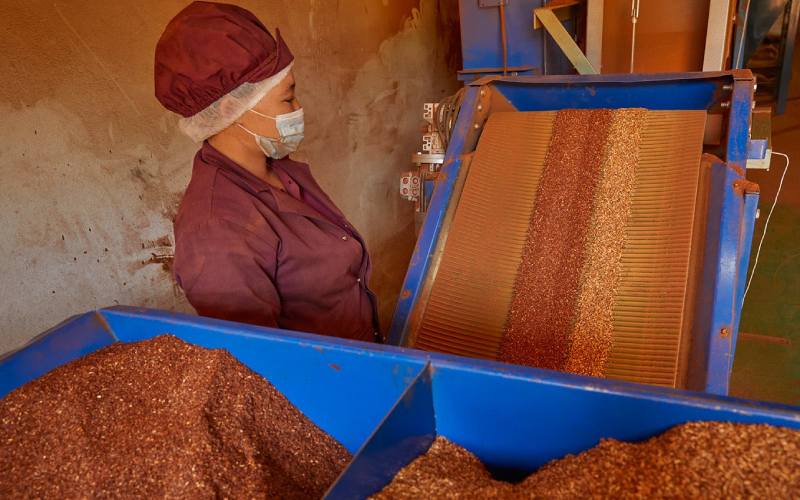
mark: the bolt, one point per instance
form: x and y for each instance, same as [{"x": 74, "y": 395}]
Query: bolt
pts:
[
  {"x": 724, "y": 333},
  {"x": 476, "y": 126},
  {"x": 483, "y": 92},
  {"x": 758, "y": 213},
  {"x": 753, "y": 105},
  {"x": 755, "y": 87},
  {"x": 480, "y": 107},
  {"x": 727, "y": 86},
  {"x": 725, "y": 104}
]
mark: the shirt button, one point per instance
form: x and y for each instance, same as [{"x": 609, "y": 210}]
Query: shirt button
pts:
[
  {"x": 358, "y": 280},
  {"x": 344, "y": 238}
]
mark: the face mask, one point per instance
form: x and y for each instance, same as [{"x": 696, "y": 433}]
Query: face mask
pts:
[{"x": 291, "y": 127}]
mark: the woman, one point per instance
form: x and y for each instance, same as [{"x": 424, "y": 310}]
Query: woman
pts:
[{"x": 257, "y": 240}]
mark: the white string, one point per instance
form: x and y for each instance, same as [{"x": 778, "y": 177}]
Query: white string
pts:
[{"x": 766, "y": 224}]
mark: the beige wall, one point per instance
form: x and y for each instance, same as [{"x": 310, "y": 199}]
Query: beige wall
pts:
[
  {"x": 670, "y": 35},
  {"x": 92, "y": 168}
]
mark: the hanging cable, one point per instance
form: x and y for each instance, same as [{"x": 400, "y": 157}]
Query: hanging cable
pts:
[
  {"x": 766, "y": 225},
  {"x": 504, "y": 38},
  {"x": 445, "y": 115}
]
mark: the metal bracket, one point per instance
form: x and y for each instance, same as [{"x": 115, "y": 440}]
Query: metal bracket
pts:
[
  {"x": 759, "y": 155},
  {"x": 545, "y": 17},
  {"x": 759, "y": 147}
]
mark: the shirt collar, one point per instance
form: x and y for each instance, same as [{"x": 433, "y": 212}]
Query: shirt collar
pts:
[
  {"x": 287, "y": 170},
  {"x": 212, "y": 156},
  {"x": 299, "y": 173}
]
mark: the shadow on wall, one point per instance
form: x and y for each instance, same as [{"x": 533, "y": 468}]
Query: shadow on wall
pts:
[{"x": 93, "y": 168}]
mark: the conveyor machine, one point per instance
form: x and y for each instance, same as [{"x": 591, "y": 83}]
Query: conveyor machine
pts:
[{"x": 664, "y": 308}]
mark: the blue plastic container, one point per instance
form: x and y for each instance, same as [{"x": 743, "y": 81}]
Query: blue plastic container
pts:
[{"x": 387, "y": 404}]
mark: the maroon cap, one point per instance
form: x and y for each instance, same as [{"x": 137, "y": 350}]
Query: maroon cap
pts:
[{"x": 209, "y": 49}]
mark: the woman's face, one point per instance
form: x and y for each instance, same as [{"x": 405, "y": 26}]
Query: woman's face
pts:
[{"x": 278, "y": 101}]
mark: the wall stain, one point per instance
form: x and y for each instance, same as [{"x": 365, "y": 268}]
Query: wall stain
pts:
[
  {"x": 122, "y": 171},
  {"x": 165, "y": 260},
  {"x": 164, "y": 241}
]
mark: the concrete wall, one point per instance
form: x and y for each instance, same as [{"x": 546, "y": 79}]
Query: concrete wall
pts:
[{"x": 92, "y": 168}]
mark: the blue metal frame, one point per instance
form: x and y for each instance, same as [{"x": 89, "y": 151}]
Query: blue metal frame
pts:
[
  {"x": 315, "y": 373},
  {"x": 731, "y": 212},
  {"x": 729, "y": 235},
  {"x": 431, "y": 228},
  {"x": 386, "y": 404},
  {"x": 553, "y": 93},
  {"x": 482, "y": 48},
  {"x": 515, "y": 422}
]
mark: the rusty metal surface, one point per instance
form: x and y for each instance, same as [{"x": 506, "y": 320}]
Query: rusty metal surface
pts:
[{"x": 472, "y": 292}]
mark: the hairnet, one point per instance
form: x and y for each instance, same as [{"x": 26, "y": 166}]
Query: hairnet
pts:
[
  {"x": 216, "y": 117},
  {"x": 210, "y": 50}
]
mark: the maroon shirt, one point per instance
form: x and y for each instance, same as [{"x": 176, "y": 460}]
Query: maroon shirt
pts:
[{"x": 249, "y": 252}]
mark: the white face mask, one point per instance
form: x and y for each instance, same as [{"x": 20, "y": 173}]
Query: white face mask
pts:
[{"x": 291, "y": 127}]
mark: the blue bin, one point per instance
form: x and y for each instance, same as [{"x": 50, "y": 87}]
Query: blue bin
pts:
[{"x": 387, "y": 404}]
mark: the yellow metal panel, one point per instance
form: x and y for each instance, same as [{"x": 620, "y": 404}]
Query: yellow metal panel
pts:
[{"x": 564, "y": 40}]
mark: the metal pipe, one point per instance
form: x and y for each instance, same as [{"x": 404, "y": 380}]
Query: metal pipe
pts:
[{"x": 634, "y": 19}]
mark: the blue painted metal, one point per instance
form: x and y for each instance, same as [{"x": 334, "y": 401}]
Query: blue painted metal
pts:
[
  {"x": 663, "y": 91},
  {"x": 481, "y": 40},
  {"x": 757, "y": 149},
  {"x": 427, "y": 191},
  {"x": 517, "y": 419},
  {"x": 720, "y": 290},
  {"x": 407, "y": 432},
  {"x": 388, "y": 402},
  {"x": 739, "y": 119},
  {"x": 536, "y": 416},
  {"x": 431, "y": 228},
  {"x": 691, "y": 94},
  {"x": 745, "y": 247},
  {"x": 317, "y": 375},
  {"x": 729, "y": 221},
  {"x": 75, "y": 337}
]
